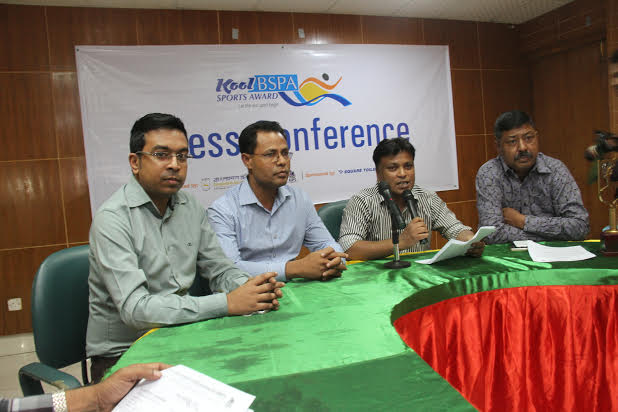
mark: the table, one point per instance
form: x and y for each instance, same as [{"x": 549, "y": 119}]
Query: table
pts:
[{"x": 332, "y": 345}]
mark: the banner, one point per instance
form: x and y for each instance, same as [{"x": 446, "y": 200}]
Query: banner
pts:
[{"x": 336, "y": 103}]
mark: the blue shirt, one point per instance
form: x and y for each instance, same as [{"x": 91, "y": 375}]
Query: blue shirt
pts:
[{"x": 259, "y": 240}]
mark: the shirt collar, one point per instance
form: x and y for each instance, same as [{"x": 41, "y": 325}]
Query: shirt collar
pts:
[
  {"x": 416, "y": 192},
  {"x": 540, "y": 166},
  {"x": 137, "y": 196},
  {"x": 247, "y": 197}
]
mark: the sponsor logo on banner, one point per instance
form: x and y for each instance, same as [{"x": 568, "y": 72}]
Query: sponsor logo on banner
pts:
[
  {"x": 225, "y": 182},
  {"x": 327, "y": 173},
  {"x": 286, "y": 87},
  {"x": 354, "y": 171},
  {"x": 193, "y": 186},
  {"x": 292, "y": 177},
  {"x": 206, "y": 184}
]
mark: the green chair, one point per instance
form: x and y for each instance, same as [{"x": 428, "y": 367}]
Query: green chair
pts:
[
  {"x": 331, "y": 214},
  {"x": 59, "y": 321}
]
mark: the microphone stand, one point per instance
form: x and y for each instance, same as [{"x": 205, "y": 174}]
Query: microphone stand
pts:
[{"x": 396, "y": 263}]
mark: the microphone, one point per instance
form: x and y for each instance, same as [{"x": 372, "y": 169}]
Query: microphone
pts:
[
  {"x": 393, "y": 209},
  {"x": 411, "y": 202},
  {"x": 606, "y": 142},
  {"x": 397, "y": 224}
]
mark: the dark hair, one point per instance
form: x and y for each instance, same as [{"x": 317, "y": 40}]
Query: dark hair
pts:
[
  {"x": 392, "y": 147},
  {"x": 511, "y": 120},
  {"x": 248, "y": 137},
  {"x": 152, "y": 121}
]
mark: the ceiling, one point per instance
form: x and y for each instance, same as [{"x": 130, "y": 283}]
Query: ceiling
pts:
[{"x": 498, "y": 11}]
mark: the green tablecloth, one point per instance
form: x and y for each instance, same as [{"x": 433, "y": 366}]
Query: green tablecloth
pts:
[{"x": 332, "y": 346}]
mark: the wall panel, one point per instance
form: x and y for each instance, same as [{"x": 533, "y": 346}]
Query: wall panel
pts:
[
  {"x": 499, "y": 45},
  {"x": 76, "y": 198},
  {"x": 567, "y": 111},
  {"x": 72, "y": 26},
  {"x": 460, "y": 36},
  {"x": 256, "y": 27},
  {"x": 18, "y": 267},
  {"x": 504, "y": 90},
  {"x": 67, "y": 115},
  {"x": 467, "y": 101},
  {"x": 23, "y": 48},
  {"x": 159, "y": 27},
  {"x": 392, "y": 30},
  {"x": 200, "y": 27},
  {"x": 27, "y": 115},
  {"x": 328, "y": 28},
  {"x": 470, "y": 156},
  {"x": 32, "y": 214}
]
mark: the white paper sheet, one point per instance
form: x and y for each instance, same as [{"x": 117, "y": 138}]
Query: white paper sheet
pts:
[
  {"x": 182, "y": 389},
  {"x": 541, "y": 253},
  {"x": 455, "y": 247}
]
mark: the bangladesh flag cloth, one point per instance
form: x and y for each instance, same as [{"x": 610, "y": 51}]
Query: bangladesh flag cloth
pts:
[{"x": 507, "y": 347}]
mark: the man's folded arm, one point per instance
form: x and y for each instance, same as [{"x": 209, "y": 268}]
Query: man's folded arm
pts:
[
  {"x": 572, "y": 220},
  {"x": 489, "y": 206}
]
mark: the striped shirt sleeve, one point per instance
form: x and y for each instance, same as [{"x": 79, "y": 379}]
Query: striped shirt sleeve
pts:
[{"x": 354, "y": 222}]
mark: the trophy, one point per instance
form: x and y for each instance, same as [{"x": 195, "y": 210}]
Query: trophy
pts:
[{"x": 605, "y": 152}]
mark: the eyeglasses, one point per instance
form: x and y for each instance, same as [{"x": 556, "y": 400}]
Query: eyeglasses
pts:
[
  {"x": 166, "y": 157},
  {"x": 273, "y": 155},
  {"x": 528, "y": 138}
]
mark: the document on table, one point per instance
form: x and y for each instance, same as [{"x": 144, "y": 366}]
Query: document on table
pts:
[
  {"x": 520, "y": 243},
  {"x": 455, "y": 247},
  {"x": 542, "y": 253},
  {"x": 182, "y": 389}
]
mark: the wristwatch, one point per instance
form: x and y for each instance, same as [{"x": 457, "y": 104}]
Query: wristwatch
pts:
[{"x": 59, "y": 402}]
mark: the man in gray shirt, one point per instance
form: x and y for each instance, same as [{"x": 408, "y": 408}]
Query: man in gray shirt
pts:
[
  {"x": 525, "y": 194},
  {"x": 148, "y": 241}
]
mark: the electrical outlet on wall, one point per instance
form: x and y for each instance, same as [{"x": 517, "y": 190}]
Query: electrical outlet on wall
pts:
[{"x": 14, "y": 304}]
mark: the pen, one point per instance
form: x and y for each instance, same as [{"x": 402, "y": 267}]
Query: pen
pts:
[{"x": 515, "y": 249}]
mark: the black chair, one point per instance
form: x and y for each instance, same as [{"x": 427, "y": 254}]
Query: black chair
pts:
[
  {"x": 59, "y": 321},
  {"x": 331, "y": 214}
]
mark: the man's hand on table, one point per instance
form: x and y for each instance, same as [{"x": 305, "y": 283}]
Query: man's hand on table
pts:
[
  {"x": 258, "y": 293},
  {"x": 335, "y": 264},
  {"x": 323, "y": 264},
  {"x": 476, "y": 249}
]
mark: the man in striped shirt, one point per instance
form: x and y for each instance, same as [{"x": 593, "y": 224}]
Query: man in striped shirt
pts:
[{"x": 366, "y": 224}]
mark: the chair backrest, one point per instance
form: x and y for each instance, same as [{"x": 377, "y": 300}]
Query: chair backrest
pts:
[
  {"x": 331, "y": 214},
  {"x": 60, "y": 307}
]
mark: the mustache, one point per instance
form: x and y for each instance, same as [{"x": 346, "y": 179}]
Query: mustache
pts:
[{"x": 523, "y": 154}]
